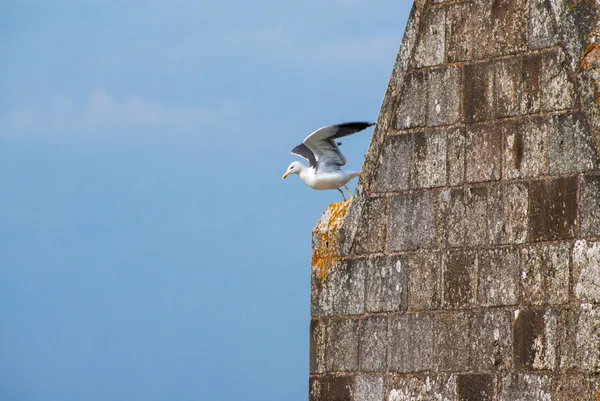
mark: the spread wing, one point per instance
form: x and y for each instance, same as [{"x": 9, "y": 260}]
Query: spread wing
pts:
[
  {"x": 322, "y": 143},
  {"x": 303, "y": 151}
]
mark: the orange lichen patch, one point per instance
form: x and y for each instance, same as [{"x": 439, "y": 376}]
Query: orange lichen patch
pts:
[{"x": 326, "y": 247}]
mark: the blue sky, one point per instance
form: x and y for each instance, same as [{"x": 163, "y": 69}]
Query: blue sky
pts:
[{"x": 149, "y": 249}]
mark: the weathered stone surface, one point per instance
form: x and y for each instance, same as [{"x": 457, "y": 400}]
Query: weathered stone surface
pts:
[
  {"x": 476, "y": 387},
  {"x": 545, "y": 274},
  {"x": 395, "y": 164},
  {"x": 429, "y": 160},
  {"x": 411, "y": 343},
  {"x": 526, "y": 387},
  {"x": 558, "y": 90},
  {"x": 498, "y": 277},
  {"x": 373, "y": 344},
  {"x": 525, "y": 149},
  {"x": 423, "y": 272},
  {"x": 430, "y": 49},
  {"x": 444, "y": 96},
  {"x": 459, "y": 33},
  {"x": 341, "y": 349},
  {"x": 507, "y": 87},
  {"x": 318, "y": 339},
  {"x": 370, "y": 235},
  {"x": 553, "y": 209},
  {"x": 332, "y": 388},
  {"x": 421, "y": 388},
  {"x": 509, "y": 25},
  {"x": 507, "y": 213},
  {"x": 580, "y": 339},
  {"x": 484, "y": 153},
  {"x": 571, "y": 147},
  {"x": 491, "y": 343},
  {"x": 585, "y": 387},
  {"x": 542, "y": 26},
  {"x": 456, "y": 156},
  {"x": 346, "y": 284},
  {"x": 369, "y": 388},
  {"x": 531, "y": 75},
  {"x": 387, "y": 288},
  {"x": 590, "y": 205},
  {"x": 586, "y": 270},
  {"x": 452, "y": 342},
  {"x": 466, "y": 216},
  {"x": 535, "y": 339},
  {"x": 478, "y": 91},
  {"x": 412, "y": 221},
  {"x": 412, "y": 110},
  {"x": 321, "y": 296},
  {"x": 460, "y": 279}
]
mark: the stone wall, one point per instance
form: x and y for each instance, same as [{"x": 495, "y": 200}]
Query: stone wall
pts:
[{"x": 469, "y": 261}]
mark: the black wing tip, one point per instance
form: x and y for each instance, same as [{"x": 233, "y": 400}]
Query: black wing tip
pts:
[{"x": 358, "y": 125}]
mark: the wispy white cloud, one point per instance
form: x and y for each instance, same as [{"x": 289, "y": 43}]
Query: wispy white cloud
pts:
[{"x": 103, "y": 114}]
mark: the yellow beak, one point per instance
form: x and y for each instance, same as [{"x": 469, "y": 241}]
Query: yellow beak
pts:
[{"x": 285, "y": 175}]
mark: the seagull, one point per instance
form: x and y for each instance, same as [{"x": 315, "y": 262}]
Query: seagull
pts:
[{"x": 325, "y": 161}]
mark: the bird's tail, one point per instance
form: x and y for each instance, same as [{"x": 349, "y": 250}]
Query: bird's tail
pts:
[{"x": 353, "y": 174}]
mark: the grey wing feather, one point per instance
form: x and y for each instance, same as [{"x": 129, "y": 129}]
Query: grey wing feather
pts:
[
  {"x": 324, "y": 146},
  {"x": 303, "y": 151}
]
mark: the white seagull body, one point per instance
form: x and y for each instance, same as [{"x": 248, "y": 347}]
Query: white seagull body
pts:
[{"x": 325, "y": 160}]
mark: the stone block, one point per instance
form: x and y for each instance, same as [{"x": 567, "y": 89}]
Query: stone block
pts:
[
  {"x": 429, "y": 160},
  {"x": 534, "y": 345},
  {"x": 466, "y": 216},
  {"x": 525, "y": 148},
  {"x": 459, "y": 279},
  {"x": 411, "y": 343},
  {"x": 412, "y": 221},
  {"x": 429, "y": 387},
  {"x": 509, "y": 26},
  {"x": 412, "y": 110},
  {"x": 483, "y": 44},
  {"x": 395, "y": 164},
  {"x": 571, "y": 145},
  {"x": 491, "y": 341},
  {"x": 335, "y": 388},
  {"x": 478, "y": 92},
  {"x": 459, "y": 33},
  {"x": 373, "y": 344},
  {"x": 451, "y": 343},
  {"x": 444, "y": 96},
  {"x": 507, "y": 213},
  {"x": 545, "y": 274},
  {"x": 423, "y": 272},
  {"x": 531, "y": 83},
  {"x": 483, "y": 153},
  {"x": 347, "y": 287},
  {"x": 553, "y": 209},
  {"x": 386, "y": 284},
  {"x": 542, "y": 25},
  {"x": 526, "y": 387},
  {"x": 318, "y": 339},
  {"x": 369, "y": 388},
  {"x": 590, "y": 205},
  {"x": 507, "y": 87},
  {"x": 321, "y": 295},
  {"x": 580, "y": 339},
  {"x": 586, "y": 270},
  {"x": 585, "y": 387},
  {"x": 341, "y": 349},
  {"x": 430, "y": 48},
  {"x": 370, "y": 234},
  {"x": 456, "y": 156},
  {"x": 317, "y": 387},
  {"x": 498, "y": 277},
  {"x": 558, "y": 90},
  {"x": 476, "y": 387}
]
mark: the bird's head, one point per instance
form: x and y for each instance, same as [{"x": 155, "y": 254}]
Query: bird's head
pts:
[{"x": 293, "y": 168}]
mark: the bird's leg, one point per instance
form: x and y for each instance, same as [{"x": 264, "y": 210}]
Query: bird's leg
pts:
[
  {"x": 342, "y": 192},
  {"x": 351, "y": 196}
]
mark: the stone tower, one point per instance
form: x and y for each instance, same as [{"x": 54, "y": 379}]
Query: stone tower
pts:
[{"x": 468, "y": 265}]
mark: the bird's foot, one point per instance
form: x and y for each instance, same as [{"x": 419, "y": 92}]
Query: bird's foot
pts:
[
  {"x": 342, "y": 192},
  {"x": 350, "y": 193}
]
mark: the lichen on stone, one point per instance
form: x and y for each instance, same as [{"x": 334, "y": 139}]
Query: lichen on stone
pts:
[{"x": 326, "y": 252}]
